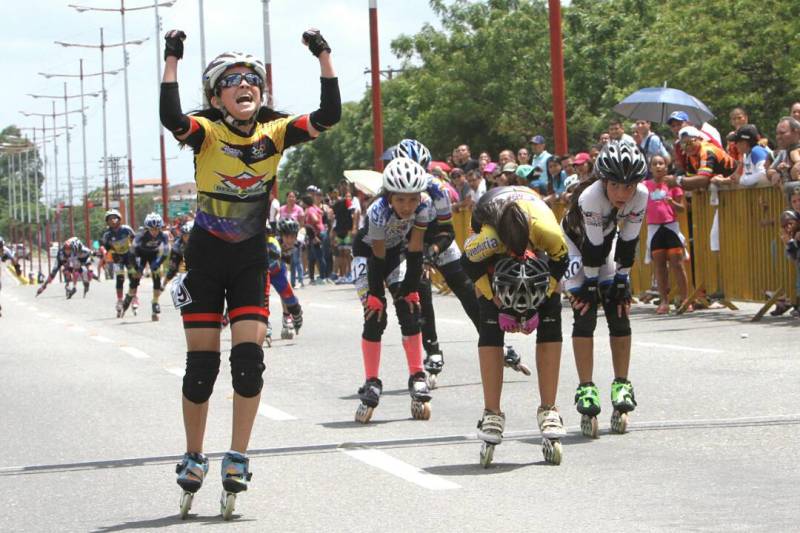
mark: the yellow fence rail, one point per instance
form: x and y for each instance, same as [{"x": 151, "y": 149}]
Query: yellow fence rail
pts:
[{"x": 751, "y": 259}]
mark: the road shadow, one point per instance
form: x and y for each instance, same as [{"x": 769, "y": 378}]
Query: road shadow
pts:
[
  {"x": 475, "y": 469},
  {"x": 404, "y": 392},
  {"x": 169, "y": 521},
  {"x": 349, "y": 424}
]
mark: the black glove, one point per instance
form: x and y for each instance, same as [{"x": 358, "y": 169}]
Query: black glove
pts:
[
  {"x": 587, "y": 293},
  {"x": 619, "y": 292},
  {"x": 173, "y": 44},
  {"x": 315, "y": 42}
]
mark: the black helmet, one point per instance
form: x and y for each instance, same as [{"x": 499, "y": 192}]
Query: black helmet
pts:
[
  {"x": 521, "y": 285},
  {"x": 621, "y": 161},
  {"x": 288, "y": 226}
]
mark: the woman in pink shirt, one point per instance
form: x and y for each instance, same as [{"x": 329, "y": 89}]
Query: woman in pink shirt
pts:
[
  {"x": 296, "y": 213},
  {"x": 665, "y": 243},
  {"x": 315, "y": 226}
]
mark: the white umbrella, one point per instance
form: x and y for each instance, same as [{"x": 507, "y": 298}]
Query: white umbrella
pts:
[{"x": 367, "y": 181}]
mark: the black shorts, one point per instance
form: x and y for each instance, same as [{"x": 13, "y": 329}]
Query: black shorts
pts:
[
  {"x": 490, "y": 334},
  {"x": 221, "y": 271},
  {"x": 665, "y": 239}
]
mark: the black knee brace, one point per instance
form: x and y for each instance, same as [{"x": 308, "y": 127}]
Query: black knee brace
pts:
[
  {"x": 427, "y": 319},
  {"x": 618, "y": 326},
  {"x": 156, "y": 281},
  {"x": 583, "y": 326},
  {"x": 463, "y": 288},
  {"x": 120, "y": 281},
  {"x": 374, "y": 327},
  {"x": 489, "y": 332},
  {"x": 133, "y": 279},
  {"x": 201, "y": 373},
  {"x": 408, "y": 320},
  {"x": 549, "y": 329},
  {"x": 247, "y": 367}
]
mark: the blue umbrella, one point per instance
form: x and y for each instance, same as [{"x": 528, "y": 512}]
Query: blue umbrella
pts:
[{"x": 656, "y": 104}]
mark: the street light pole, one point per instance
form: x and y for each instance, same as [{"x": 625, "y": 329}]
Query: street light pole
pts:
[
  {"x": 85, "y": 166},
  {"x": 267, "y": 52},
  {"x": 121, "y": 10},
  {"x": 164, "y": 185}
]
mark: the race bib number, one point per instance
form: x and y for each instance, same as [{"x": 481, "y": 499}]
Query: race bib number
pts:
[{"x": 179, "y": 292}]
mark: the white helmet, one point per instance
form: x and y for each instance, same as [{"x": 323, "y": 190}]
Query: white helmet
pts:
[
  {"x": 413, "y": 149},
  {"x": 223, "y": 62},
  {"x": 405, "y": 176},
  {"x": 153, "y": 220},
  {"x": 521, "y": 286},
  {"x": 112, "y": 213}
]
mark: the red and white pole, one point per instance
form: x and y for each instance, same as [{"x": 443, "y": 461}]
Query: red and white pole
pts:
[
  {"x": 377, "y": 111},
  {"x": 557, "y": 77}
]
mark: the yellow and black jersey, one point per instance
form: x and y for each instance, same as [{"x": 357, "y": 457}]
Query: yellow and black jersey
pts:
[
  {"x": 235, "y": 173},
  {"x": 544, "y": 233}
]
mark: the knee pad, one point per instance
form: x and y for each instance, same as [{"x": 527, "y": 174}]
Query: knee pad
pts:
[
  {"x": 618, "y": 326},
  {"x": 120, "y": 281},
  {"x": 549, "y": 329},
  {"x": 156, "y": 281},
  {"x": 134, "y": 281},
  {"x": 201, "y": 373},
  {"x": 409, "y": 322},
  {"x": 374, "y": 328},
  {"x": 247, "y": 367},
  {"x": 583, "y": 326}
]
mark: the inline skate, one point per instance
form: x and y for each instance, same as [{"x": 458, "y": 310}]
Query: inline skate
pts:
[
  {"x": 623, "y": 400},
  {"x": 434, "y": 362},
  {"x": 370, "y": 396},
  {"x": 235, "y": 477},
  {"x": 490, "y": 431},
  {"x": 513, "y": 361},
  {"x": 287, "y": 331},
  {"x": 587, "y": 402},
  {"x": 420, "y": 396},
  {"x": 156, "y": 310},
  {"x": 552, "y": 428},
  {"x": 191, "y": 472},
  {"x": 119, "y": 308}
]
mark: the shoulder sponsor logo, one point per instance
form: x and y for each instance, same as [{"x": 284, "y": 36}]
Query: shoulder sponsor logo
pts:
[{"x": 231, "y": 151}]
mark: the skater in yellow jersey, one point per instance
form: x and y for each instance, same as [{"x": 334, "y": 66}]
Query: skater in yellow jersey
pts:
[
  {"x": 237, "y": 142},
  {"x": 516, "y": 258}
]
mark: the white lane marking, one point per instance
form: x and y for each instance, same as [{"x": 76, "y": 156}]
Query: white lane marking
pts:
[
  {"x": 134, "y": 352},
  {"x": 77, "y": 329},
  {"x": 323, "y": 306},
  {"x": 100, "y": 338},
  {"x": 176, "y": 371},
  {"x": 398, "y": 468},
  {"x": 272, "y": 413},
  {"x": 44, "y": 315},
  {"x": 677, "y": 347}
]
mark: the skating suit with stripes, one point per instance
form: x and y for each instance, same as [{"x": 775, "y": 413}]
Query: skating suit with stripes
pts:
[
  {"x": 385, "y": 225},
  {"x": 235, "y": 173},
  {"x": 277, "y": 272},
  {"x": 118, "y": 241}
]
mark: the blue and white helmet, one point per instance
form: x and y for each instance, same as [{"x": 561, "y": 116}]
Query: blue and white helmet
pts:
[
  {"x": 404, "y": 175},
  {"x": 414, "y": 150},
  {"x": 153, "y": 221},
  {"x": 73, "y": 243},
  {"x": 187, "y": 227}
]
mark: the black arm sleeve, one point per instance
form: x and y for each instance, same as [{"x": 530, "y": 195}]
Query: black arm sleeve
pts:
[
  {"x": 413, "y": 272},
  {"x": 170, "y": 109},
  {"x": 440, "y": 235},
  {"x": 330, "y": 105},
  {"x": 626, "y": 252},
  {"x": 595, "y": 255},
  {"x": 376, "y": 268}
]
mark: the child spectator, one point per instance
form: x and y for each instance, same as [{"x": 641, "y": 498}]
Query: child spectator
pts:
[
  {"x": 790, "y": 235},
  {"x": 665, "y": 243}
]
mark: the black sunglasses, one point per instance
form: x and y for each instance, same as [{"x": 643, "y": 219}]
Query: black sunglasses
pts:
[{"x": 232, "y": 80}]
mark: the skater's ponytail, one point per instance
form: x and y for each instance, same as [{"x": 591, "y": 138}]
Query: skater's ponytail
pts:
[{"x": 513, "y": 228}]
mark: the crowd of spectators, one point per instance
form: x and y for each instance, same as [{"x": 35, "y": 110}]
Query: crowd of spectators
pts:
[{"x": 697, "y": 158}]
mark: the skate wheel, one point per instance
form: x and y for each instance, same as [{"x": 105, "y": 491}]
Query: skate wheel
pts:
[
  {"x": 186, "y": 503},
  {"x": 551, "y": 449},
  {"x": 226, "y": 505},
  {"x": 524, "y": 369},
  {"x": 619, "y": 422},
  {"x": 487, "y": 454},
  {"x": 432, "y": 379},
  {"x": 364, "y": 413},
  {"x": 420, "y": 410},
  {"x": 589, "y": 426}
]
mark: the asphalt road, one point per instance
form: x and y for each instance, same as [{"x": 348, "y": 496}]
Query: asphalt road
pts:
[{"x": 91, "y": 428}]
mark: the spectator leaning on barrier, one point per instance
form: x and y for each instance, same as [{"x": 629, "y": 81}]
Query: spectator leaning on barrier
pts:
[
  {"x": 738, "y": 118},
  {"x": 539, "y": 154},
  {"x": 508, "y": 176},
  {"x": 616, "y": 132},
  {"x": 751, "y": 171},
  {"x": 477, "y": 184},
  {"x": 790, "y": 235},
  {"x": 555, "y": 180},
  {"x": 602, "y": 141},
  {"x": 523, "y": 156},
  {"x": 583, "y": 165},
  {"x": 506, "y": 156},
  {"x": 785, "y": 166},
  {"x": 484, "y": 159}
]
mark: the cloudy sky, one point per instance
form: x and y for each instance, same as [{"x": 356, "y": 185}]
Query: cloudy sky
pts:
[{"x": 27, "y": 42}]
